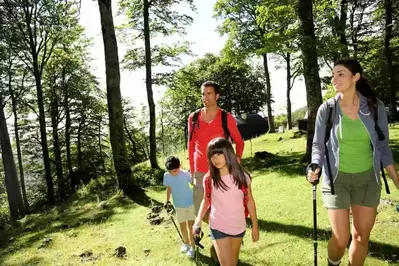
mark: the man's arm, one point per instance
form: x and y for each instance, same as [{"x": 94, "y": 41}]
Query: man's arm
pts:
[
  {"x": 235, "y": 134},
  {"x": 190, "y": 144},
  {"x": 168, "y": 192}
]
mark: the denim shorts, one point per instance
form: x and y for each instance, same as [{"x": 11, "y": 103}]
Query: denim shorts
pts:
[{"x": 216, "y": 234}]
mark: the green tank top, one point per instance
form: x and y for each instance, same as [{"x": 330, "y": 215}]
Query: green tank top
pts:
[{"x": 355, "y": 151}]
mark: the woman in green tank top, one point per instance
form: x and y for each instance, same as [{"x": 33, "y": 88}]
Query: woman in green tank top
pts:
[{"x": 356, "y": 154}]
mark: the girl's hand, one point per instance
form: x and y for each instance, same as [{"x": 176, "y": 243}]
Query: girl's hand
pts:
[
  {"x": 197, "y": 228},
  {"x": 255, "y": 234}
]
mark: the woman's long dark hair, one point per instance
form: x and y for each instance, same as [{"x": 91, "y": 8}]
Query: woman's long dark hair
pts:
[
  {"x": 223, "y": 146},
  {"x": 362, "y": 85}
]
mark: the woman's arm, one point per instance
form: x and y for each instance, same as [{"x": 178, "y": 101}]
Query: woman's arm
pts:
[
  {"x": 202, "y": 211},
  {"x": 392, "y": 172}
]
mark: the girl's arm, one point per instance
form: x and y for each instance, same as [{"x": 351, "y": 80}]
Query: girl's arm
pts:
[
  {"x": 202, "y": 210},
  {"x": 252, "y": 208}
]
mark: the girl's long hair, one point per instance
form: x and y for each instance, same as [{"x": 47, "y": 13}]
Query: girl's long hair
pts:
[
  {"x": 362, "y": 85},
  {"x": 223, "y": 146}
]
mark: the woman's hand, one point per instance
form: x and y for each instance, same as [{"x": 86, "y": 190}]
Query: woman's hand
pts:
[{"x": 313, "y": 176}]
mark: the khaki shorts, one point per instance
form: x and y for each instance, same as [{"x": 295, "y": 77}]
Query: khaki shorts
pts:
[
  {"x": 198, "y": 193},
  {"x": 352, "y": 189},
  {"x": 185, "y": 214}
]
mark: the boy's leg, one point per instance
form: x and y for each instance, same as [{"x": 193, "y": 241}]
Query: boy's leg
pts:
[
  {"x": 181, "y": 218},
  {"x": 183, "y": 230},
  {"x": 190, "y": 224}
]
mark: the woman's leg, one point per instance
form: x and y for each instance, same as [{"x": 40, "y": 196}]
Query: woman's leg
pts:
[
  {"x": 339, "y": 221},
  {"x": 223, "y": 247},
  {"x": 363, "y": 222},
  {"x": 235, "y": 248}
]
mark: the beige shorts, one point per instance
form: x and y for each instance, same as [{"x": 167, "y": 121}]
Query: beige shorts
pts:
[
  {"x": 198, "y": 193},
  {"x": 185, "y": 214}
]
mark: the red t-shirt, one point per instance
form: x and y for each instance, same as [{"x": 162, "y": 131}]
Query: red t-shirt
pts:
[{"x": 204, "y": 134}]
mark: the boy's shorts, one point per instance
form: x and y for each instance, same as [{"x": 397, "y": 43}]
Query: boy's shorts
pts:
[
  {"x": 185, "y": 214},
  {"x": 352, "y": 189}
]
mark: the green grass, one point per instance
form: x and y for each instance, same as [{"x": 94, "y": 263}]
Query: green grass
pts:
[{"x": 284, "y": 203}]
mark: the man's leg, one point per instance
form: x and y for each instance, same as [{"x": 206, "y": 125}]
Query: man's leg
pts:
[{"x": 198, "y": 193}]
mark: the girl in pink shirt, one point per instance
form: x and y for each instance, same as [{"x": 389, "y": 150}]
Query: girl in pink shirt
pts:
[{"x": 227, "y": 214}]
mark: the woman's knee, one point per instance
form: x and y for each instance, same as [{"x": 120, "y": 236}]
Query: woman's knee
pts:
[
  {"x": 341, "y": 242},
  {"x": 361, "y": 237}
]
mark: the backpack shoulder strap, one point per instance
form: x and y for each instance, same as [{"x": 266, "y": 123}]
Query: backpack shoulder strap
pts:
[
  {"x": 194, "y": 122},
  {"x": 380, "y": 134},
  {"x": 330, "y": 118},
  {"x": 224, "y": 124}
]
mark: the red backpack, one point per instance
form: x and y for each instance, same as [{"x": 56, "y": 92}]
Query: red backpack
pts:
[{"x": 208, "y": 192}]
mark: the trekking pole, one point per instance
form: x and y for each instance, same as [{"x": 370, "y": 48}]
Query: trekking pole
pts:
[
  {"x": 177, "y": 229},
  {"x": 171, "y": 210},
  {"x": 314, "y": 217}
]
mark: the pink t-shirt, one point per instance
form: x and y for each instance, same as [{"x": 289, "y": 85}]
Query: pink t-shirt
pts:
[{"x": 227, "y": 212}]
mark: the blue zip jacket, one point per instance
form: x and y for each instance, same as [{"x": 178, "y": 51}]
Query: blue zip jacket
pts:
[{"x": 381, "y": 150}]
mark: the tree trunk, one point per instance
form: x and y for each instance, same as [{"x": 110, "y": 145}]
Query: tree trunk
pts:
[
  {"x": 289, "y": 114},
  {"x": 56, "y": 146},
  {"x": 68, "y": 130},
  {"x": 151, "y": 104},
  {"x": 99, "y": 142},
  {"x": 130, "y": 137},
  {"x": 43, "y": 133},
  {"x": 79, "y": 144},
  {"x": 11, "y": 177},
  {"x": 342, "y": 27},
  {"x": 17, "y": 141},
  {"x": 269, "y": 95},
  {"x": 115, "y": 110},
  {"x": 310, "y": 69},
  {"x": 388, "y": 58}
]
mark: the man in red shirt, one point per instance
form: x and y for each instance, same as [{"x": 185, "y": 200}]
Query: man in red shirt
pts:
[{"x": 207, "y": 127}]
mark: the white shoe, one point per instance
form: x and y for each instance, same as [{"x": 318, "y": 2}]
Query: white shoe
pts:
[
  {"x": 184, "y": 248},
  {"x": 190, "y": 253}
]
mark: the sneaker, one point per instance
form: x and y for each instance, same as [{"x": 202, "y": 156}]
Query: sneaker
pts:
[
  {"x": 190, "y": 253},
  {"x": 184, "y": 248}
]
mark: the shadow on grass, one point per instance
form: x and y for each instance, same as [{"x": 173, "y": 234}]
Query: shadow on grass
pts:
[
  {"x": 378, "y": 250},
  {"x": 289, "y": 163},
  {"x": 68, "y": 216},
  {"x": 207, "y": 260}
]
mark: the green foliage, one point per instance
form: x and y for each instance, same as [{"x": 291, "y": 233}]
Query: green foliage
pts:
[{"x": 145, "y": 176}]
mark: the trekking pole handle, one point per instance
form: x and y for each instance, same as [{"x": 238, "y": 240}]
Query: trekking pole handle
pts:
[{"x": 313, "y": 167}]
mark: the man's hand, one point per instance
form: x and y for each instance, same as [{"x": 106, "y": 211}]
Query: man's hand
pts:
[{"x": 238, "y": 159}]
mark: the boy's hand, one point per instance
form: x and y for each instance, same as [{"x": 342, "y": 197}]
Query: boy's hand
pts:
[{"x": 255, "y": 234}]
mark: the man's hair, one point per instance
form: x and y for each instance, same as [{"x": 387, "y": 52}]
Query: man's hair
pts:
[
  {"x": 172, "y": 162},
  {"x": 210, "y": 83}
]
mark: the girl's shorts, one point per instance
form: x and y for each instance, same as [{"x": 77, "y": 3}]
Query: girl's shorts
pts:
[{"x": 216, "y": 234}]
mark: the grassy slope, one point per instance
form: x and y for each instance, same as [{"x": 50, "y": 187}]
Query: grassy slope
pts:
[{"x": 284, "y": 202}]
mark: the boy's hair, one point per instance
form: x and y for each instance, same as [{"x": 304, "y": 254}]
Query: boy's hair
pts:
[{"x": 172, "y": 162}]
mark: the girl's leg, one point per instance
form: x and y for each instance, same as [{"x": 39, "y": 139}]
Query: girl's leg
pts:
[
  {"x": 363, "y": 222},
  {"x": 223, "y": 249},
  {"x": 190, "y": 233},
  {"x": 235, "y": 248},
  {"x": 339, "y": 220}
]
